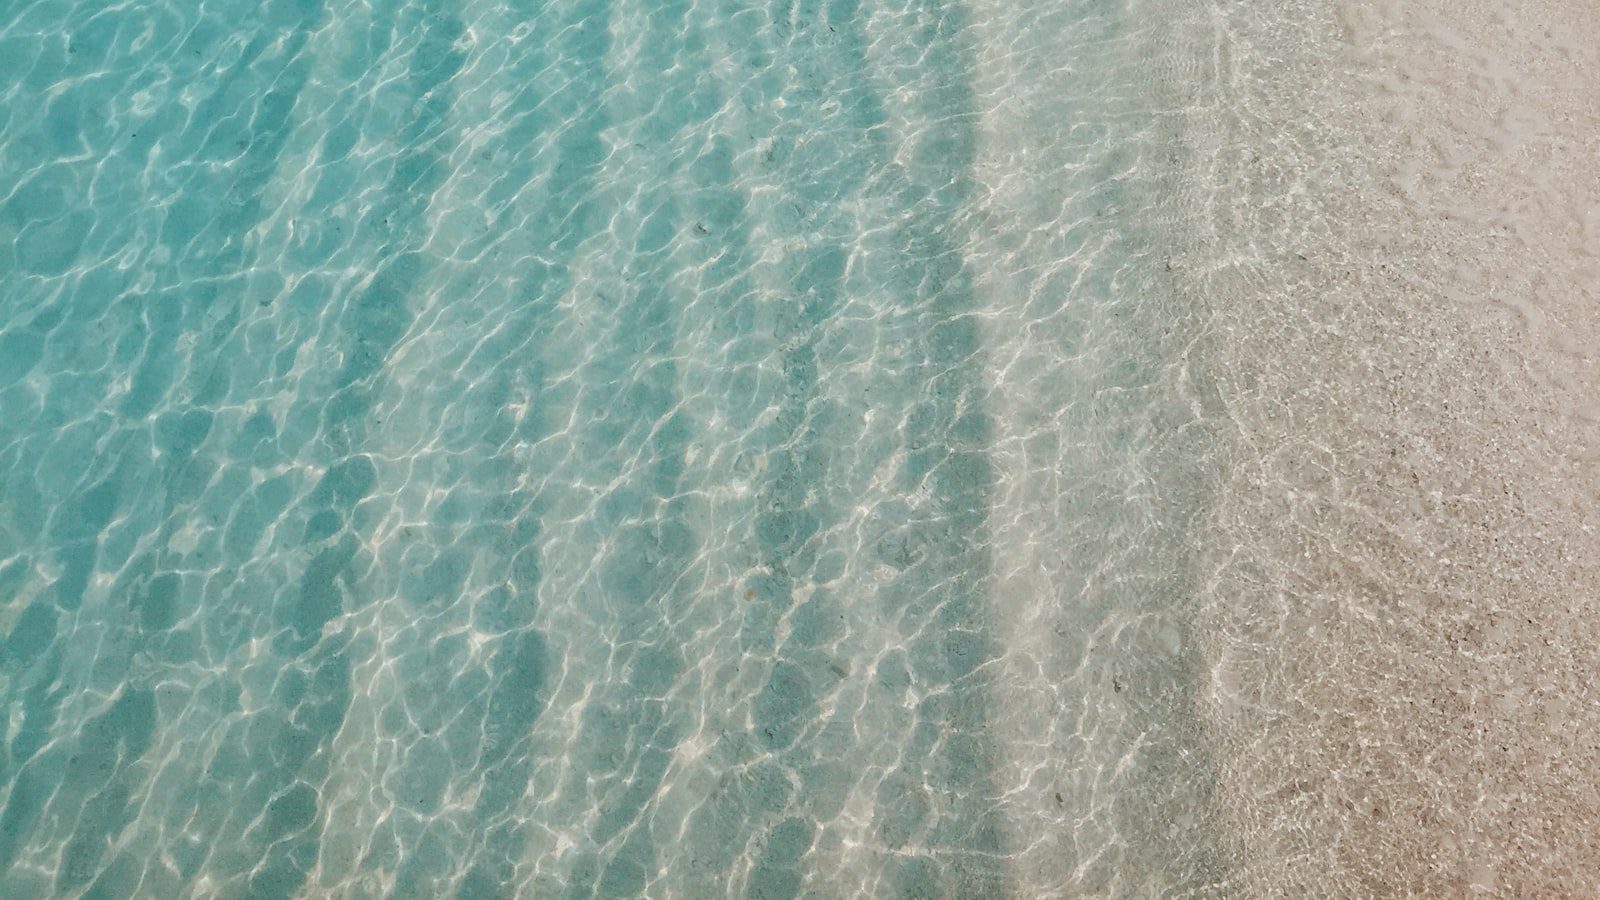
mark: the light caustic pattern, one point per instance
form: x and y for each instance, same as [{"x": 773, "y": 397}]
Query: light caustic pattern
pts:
[{"x": 590, "y": 448}]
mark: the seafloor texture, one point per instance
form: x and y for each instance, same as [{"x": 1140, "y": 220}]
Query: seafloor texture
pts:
[
  {"x": 1401, "y": 610},
  {"x": 697, "y": 448}
]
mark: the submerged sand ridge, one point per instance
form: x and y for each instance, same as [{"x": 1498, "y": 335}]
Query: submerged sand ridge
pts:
[
  {"x": 1399, "y": 620},
  {"x": 1105, "y": 448}
]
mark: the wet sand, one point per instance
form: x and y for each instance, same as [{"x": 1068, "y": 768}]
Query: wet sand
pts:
[{"x": 1399, "y": 229}]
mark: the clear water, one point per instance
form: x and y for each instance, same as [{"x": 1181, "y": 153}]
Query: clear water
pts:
[{"x": 597, "y": 448}]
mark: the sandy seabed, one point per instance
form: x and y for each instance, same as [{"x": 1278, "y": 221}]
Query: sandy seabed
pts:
[{"x": 1398, "y": 228}]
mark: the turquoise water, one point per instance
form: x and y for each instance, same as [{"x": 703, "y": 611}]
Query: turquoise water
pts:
[{"x": 582, "y": 448}]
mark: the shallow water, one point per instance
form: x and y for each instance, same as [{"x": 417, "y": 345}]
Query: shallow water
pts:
[{"x": 586, "y": 448}]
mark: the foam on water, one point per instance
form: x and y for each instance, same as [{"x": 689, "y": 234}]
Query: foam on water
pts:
[{"x": 682, "y": 448}]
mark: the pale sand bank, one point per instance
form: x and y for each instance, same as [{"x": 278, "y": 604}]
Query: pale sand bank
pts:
[
  {"x": 1400, "y": 232},
  {"x": 1103, "y": 448}
]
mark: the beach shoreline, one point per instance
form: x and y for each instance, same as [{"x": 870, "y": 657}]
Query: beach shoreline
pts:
[{"x": 1397, "y": 227}]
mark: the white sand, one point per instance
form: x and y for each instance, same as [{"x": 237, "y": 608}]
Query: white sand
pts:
[{"x": 1402, "y": 622}]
